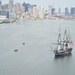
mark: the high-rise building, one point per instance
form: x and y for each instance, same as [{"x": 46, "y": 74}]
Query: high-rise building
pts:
[
  {"x": 0, "y": 2},
  {"x": 31, "y": 10},
  {"x": 14, "y": 8},
  {"x": 26, "y": 6},
  {"x": 53, "y": 11},
  {"x": 11, "y": 5},
  {"x": 22, "y": 9},
  {"x": 59, "y": 10},
  {"x": 50, "y": 9},
  {"x": 41, "y": 13},
  {"x": 34, "y": 11},
  {"x": 0, "y": 5},
  {"x": 23, "y": 4},
  {"x": 5, "y": 6},
  {"x": 66, "y": 11},
  {"x": 3, "y": 12},
  {"x": 17, "y": 8},
  {"x": 73, "y": 11}
]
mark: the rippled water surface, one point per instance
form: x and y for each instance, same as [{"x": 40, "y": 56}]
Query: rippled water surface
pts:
[{"x": 34, "y": 57}]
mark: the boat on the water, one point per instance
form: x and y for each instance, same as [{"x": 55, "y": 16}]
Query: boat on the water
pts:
[
  {"x": 64, "y": 47},
  {"x": 15, "y": 50}
]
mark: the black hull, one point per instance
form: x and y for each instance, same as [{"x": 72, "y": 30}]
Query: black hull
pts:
[{"x": 63, "y": 53}]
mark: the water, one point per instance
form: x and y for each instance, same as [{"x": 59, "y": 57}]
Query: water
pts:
[{"x": 34, "y": 58}]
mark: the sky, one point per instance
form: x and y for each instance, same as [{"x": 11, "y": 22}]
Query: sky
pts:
[{"x": 55, "y": 3}]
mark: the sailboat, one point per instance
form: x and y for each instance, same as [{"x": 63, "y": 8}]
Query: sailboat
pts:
[{"x": 63, "y": 47}]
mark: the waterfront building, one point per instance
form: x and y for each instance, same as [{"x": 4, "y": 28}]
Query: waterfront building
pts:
[
  {"x": 73, "y": 11},
  {"x": 11, "y": 5},
  {"x": 66, "y": 11},
  {"x": 59, "y": 10},
  {"x": 41, "y": 12},
  {"x": 4, "y": 13},
  {"x": 0, "y": 5},
  {"x": 14, "y": 8},
  {"x": 5, "y": 6},
  {"x": 22, "y": 9},
  {"x": 52, "y": 11},
  {"x": 2, "y": 17},
  {"x": 26, "y": 6},
  {"x": 8, "y": 14},
  {"x": 23, "y": 4},
  {"x": 17, "y": 8},
  {"x": 11, "y": 15},
  {"x": 33, "y": 10},
  {"x": 0, "y": 2}
]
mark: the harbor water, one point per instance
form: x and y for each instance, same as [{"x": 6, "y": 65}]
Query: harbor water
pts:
[{"x": 32, "y": 40}]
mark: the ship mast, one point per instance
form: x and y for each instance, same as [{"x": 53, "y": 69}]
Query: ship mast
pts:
[
  {"x": 69, "y": 40},
  {"x": 59, "y": 43},
  {"x": 65, "y": 36},
  {"x": 66, "y": 40}
]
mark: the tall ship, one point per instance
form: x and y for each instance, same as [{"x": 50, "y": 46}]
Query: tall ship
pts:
[{"x": 64, "y": 47}]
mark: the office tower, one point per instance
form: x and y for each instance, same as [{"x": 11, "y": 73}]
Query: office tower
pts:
[
  {"x": 73, "y": 11},
  {"x": 0, "y": 5},
  {"x": 5, "y": 6},
  {"x": 26, "y": 6},
  {"x": 7, "y": 14},
  {"x": 41, "y": 13},
  {"x": 14, "y": 8},
  {"x": 34, "y": 10},
  {"x": 22, "y": 9},
  {"x": 50, "y": 9},
  {"x": 59, "y": 10},
  {"x": 23, "y": 4},
  {"x": 17, "y": 8},
  {"x": 31, "y": 10},
  {"x": 53, "y": 11},
  {"x": 11, "y": 5},
  {"x": 66, "y": 11},
  {"x": 0, "y": 2}
]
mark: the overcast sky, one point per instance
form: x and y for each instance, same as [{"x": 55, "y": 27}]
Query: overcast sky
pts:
[{"x": 56, "y": 3}]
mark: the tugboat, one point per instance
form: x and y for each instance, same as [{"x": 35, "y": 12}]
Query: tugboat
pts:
[{"x": 63, "y": 47}]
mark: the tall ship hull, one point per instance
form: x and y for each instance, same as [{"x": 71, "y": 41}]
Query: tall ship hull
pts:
[{"x": 63, "y": 53}]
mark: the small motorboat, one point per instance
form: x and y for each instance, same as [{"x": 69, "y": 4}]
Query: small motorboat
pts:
[
  {"x": 23, "y": 43},
  {"x": 15, "y": 50}
]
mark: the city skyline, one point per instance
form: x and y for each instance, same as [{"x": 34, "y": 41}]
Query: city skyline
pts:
[{"x": 45, "y": 3}]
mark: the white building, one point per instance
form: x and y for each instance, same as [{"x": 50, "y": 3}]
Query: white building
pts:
[
  {"x": 50, "y": 9},
  {"x": 41, "y": 13},
  {"x": 22, "y": 9},
  {"x": 35, "y": 11},
  {"x": 12, "y": 15}
]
